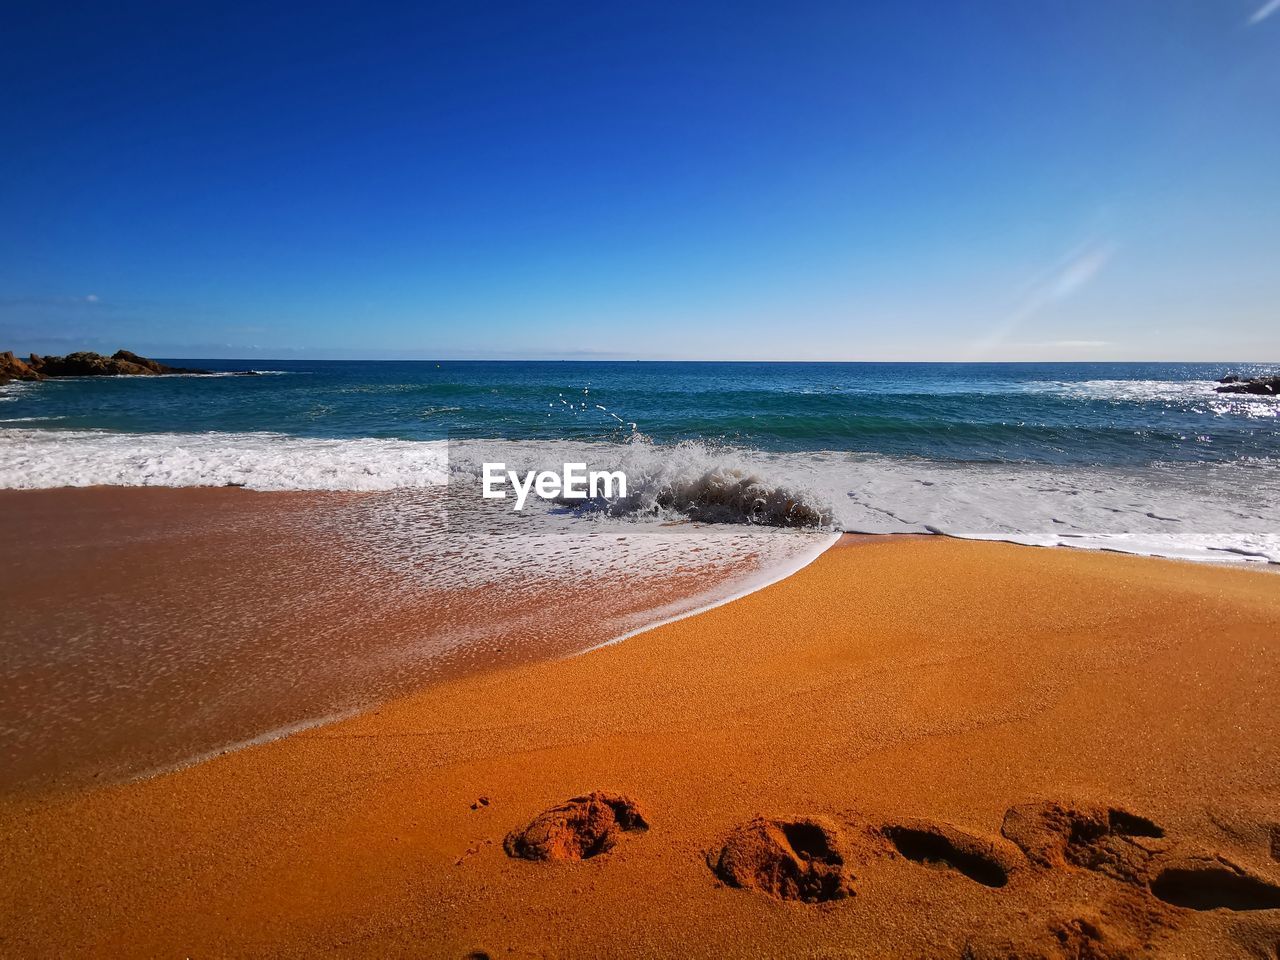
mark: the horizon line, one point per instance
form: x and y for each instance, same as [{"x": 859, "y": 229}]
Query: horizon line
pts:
[{"x": 674, "y": 360}]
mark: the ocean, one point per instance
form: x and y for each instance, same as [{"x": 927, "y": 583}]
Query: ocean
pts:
[
  {"x": 275, "y": 613},
  {"x": 1139, "y": 457}
]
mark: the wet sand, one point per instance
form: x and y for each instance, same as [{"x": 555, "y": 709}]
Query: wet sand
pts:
[
  {"x": 144, "y": 627},
  {"x": 989, "y": 750}
]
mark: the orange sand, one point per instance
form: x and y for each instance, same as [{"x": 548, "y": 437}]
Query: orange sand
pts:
[
  {"x": 919, "y": 681},
  {"x": 142, "y": 627}
]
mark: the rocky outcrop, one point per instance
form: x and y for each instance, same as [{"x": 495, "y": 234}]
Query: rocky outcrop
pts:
[
  {"x": 126, "y": 356},
  {"x": 11, "y": 368},
  {"x": 122, "y": 363},
  {"x": 1258, "y": 386}
]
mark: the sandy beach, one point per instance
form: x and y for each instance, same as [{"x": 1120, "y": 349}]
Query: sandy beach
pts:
[
  {"x": 146, "y": 628},
  {"x": 668, "y": 481},
  {"x": 957, "y": 749}
]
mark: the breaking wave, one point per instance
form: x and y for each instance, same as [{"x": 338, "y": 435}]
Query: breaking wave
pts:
[{"x": 1203, "y": 511}]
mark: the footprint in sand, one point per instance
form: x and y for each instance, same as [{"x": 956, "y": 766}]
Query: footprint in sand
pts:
[
  {"x": 582, "y": 828},
  {"x": 986, "y": 860},
  {"x": 800, "y": 859},
  {"x": 809, "y": 858},
  {"x": 1134, "y": 850},
  {"x": 1211, "y": 883},
  {"x": 1104, "y": 839}
]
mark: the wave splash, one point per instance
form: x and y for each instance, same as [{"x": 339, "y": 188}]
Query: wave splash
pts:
[
  {"x": 1203, "y": 511},
  {"x": 1199, "y": 511},
  {"x": 692, "y": 481}
]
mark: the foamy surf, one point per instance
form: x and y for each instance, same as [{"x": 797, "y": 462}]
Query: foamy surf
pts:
[
  {"x": 1225, "y": 512},
  {"x": 42, "y": 459}
]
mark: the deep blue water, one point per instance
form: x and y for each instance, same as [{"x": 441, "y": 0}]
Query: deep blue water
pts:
[{"x": 1106, "y": 413}]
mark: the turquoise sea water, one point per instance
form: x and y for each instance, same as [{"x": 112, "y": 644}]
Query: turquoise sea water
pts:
[
  {"x": 1145, "y": 458},
  {"x": 1101, "y": 414}
]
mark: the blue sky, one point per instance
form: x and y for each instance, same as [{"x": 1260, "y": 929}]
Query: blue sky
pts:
[{"x": 978, "y": 180}]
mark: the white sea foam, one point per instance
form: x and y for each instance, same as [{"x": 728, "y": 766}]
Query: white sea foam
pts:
[
  {"x": 12, "y": 391},
  {"x": 260, "y": 461},
  {"x": 226, "y": 373},
  {"x": 1188, "y": 394},
  {"x": 1223, "y": 512},
  {"x": 1138, "y": 390},
  {"x": 1201, "y": 511}
]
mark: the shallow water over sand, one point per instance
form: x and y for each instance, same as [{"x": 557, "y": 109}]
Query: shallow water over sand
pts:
[{"x": 146, "y": 628}]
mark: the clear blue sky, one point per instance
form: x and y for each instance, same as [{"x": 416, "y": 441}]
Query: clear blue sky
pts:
[{"x": 965, "y": 180}]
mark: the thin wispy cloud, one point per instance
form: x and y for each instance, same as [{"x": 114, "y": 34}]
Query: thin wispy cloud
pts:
[
  {"x": 1076, "y": 273},
  {"x": 63, "y": 301},
  {"x": 1073, "y": 344},
  {"x": 1072, "y": 272},
  {"x": 1264, "y": 11}
]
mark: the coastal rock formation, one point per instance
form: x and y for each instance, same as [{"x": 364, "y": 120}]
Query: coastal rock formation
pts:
[
  {"x": 577, "y": 830},
  {"x": 1259, "y": 386},
  {"x": 122, "y": 363},
  {"x": 128, "y": 356},
  {"x": 11, "y": 368}
]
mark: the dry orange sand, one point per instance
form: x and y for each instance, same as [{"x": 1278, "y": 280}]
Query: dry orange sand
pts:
[{"x": 924, "y": 680}]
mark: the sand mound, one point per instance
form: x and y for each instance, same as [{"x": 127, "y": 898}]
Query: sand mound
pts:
[
  {"x": 787, "y": 859},
  {"x": 582, "y": 828},
  {"x": 1128, "y": 926},
  {"x": 987, "y": 860},
  {"x": 1087, "y": 939},
  {"x": 1105, "y": 839}
]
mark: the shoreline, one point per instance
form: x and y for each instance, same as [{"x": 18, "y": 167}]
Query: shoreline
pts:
[
  {"x": 149, "y": 512},
  {"x": 156, "y": 627},
  {"x": 1197, "y": 509},
  {"x": 853, "y": 691}
]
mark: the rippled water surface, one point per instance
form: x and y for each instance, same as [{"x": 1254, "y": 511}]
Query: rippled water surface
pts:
[
  {"x": 1049, "y": 413},
  {"x": 1146, "y": 458}
]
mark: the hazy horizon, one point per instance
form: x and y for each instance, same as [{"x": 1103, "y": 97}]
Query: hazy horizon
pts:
[{"x": 627, "y": 359}]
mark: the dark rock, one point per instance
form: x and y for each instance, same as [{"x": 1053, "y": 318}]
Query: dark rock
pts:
[
  {"x": 154, "y": 366},
  {"x": 128, "y": 356},
  {"x": 1230, "y": 378},
  {"x": 87, "y": 364},
  {"x": 11, "y": 368},
  {"x": 81, "y": 364},
  {"x": 1257, "y": 386}
]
